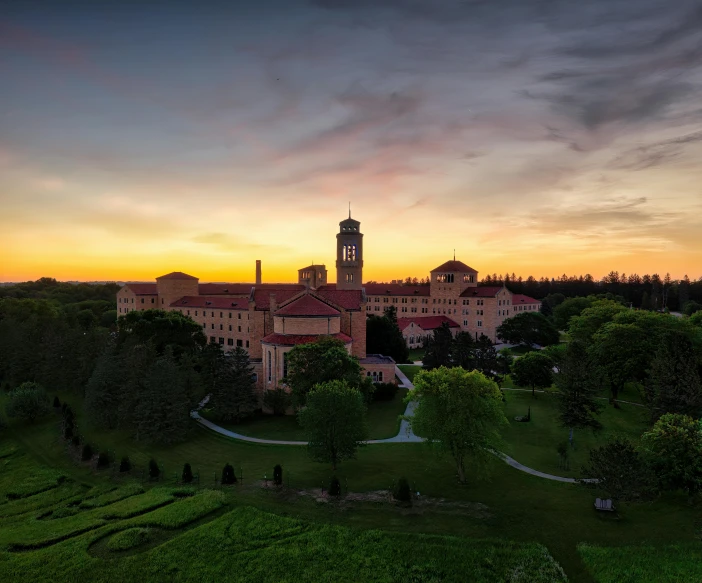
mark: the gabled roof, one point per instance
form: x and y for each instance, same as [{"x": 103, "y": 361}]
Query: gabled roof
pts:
[
  {"x": 518, "y": 299},
  {"x": 142, "y": 289},
  {"x": 307, "y": 305},
  {"x": 453, "y": 266},
  {"x": 395, "y": 289},
  {"x": 313, "y": 267},
  {"x": 239, "y": 289},
  {"x": 426, "y": 322},
  {"x": 348, "y": 299},
  {"x": 481, "y": 292},
  {"x": 216, "y": 303},
  {"x": 262, "y": 294},
  {"x": 176, "y": 275},
  {"x": 295, "y": 339}
]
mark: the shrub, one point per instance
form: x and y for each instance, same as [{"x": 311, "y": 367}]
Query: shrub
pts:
[
  {"x": 68, "y": 432},
  {"x": 57, "y": 402},
  {"x": 64, "y": 512},
  {"x": 87, "y": 453},
  {"x": 278, "y": 475},
  {"x": 278, "y": 400},
  {"x": 385, "y": 391},
  {"x": 187, "y": 474},
  {"x": 28, "y": 401},
  {"x": 125, "y": 465},
  {"x": 75, "y": 441},
  {"x": 228, "y": 475},
  {"x": 154, "y": 470},
  {"x": 128, "y": 539},
  {"x": 68, "y": 414},
  {"x": 68, "y": 423},
  {"x": 335, "y": 487},
  {"x": 103, "y": 460},
  {"x": 401, "y": 492}
]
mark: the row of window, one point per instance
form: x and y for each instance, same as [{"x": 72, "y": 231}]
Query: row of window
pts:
[
  {"x": 479, "y": 323},
  {"x": 212, "y": 314},
  {"x": 376, "y": 376},
  {"x": 527, "y": 307},
  {"x": 221, "y": 327},
  {"x": 386, "y": 300},
  {"x": 449, "y": 278},
  {"x": 230, "y": 341}
]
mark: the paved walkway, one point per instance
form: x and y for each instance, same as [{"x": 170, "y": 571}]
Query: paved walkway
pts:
[{"x": 405, "y": 435}]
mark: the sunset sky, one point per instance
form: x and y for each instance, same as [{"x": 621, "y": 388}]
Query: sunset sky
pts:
[{"x": 538, "y": 137}]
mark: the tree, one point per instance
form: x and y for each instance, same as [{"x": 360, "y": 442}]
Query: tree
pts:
[
  {"x": 462, "y": 351},
  {"x": 318, "y": 362},
  {"x": 584, "y": 326},
  {"x": 691, "y": 307},
  {"x": 277, "y": 400},
  {"x": 528, "y": 328},
  {"x": 620, "y": 349},
  {"x": 383, "y": 336},
  {"x": 557, "y": 354},
  {"x": 563, "y": 312},
  {"x": 163, "y": 414},
  {"x": 485, "y": 357},
  {"x": 334, "y": 422},
  {"x": 534, "y": 370},
  {"x": 674, "y": 448},
  {"x": 579, "y": 381},
  {"x": 437, "y": 348},
  {"x": 696, "y": 319},
  {"x": 161, "y": 329},
  {"x": 104, "y": 390},
  {"x": 154, "y": 470},
  {"x": 187, "y": 475},
  {"x": 125, "y": 464},
  {"x": 278, "y": 475},
  {"x": 27, "y": 402},
  {"x": 460, "y": 413},
  {"x": 228, "y": 475},
  {"x": 618, "y": 470},
  {"x": 673, "y": 384},
  {"x": 233, "y": 396}
]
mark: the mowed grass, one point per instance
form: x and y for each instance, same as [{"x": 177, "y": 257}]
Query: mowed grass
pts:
[
  {"x": 534, "y": 443},
  {"x": 410, "y": 370},
  {"x": 644, "y": 564},
  {"x": 383, "y": 421}
]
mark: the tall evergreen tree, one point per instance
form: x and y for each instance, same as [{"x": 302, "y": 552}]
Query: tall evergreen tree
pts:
[
  {"x": 104, "y": 392},
  {"x": 463, "y": 351},
  {"x": 438, "y": 348},
  {"x": 233, "y": 396},
  {"x": 485, "y": 355},
  {"x": 673, "y": 385},
  {"x": 383, "y": 336}
]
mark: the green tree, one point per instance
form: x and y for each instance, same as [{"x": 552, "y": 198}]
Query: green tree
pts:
[
  {"x": 528, "y": 328},
  {"x": 691, "y": 307},
  {"x": 334, "y": 422},
  {"x": 234, "y": 394},
  {"x": 620, "y": 349},
  {"x": 437, "y": 348},
  {"x": 534, "y": 370},
  {"x": 674, "y": 449},
  {"x": 646, "y": 303},
  {"x": 557, "y": 354},
  {"x": 696, "y": 319},
  {"x": 104, "y": 390},
  {"x": 27, "y": 402},
  {"x": 162, "y": 329},
  {"x": 563, "y": 312},
  {"x": 620, "y": 472},
  {"x": 383, "y": 336},
  {"x": 673, "y": 384},
  {"x": 460, "y": 413},
  {"x": 485, "y": 357},
  {"x": 163, "y": 413},
  {"x": 579, "y": 381},
  {"x": 318, "y": 362},
  {"x": 462, "y": 351},
  {"x": 584, "y": 326}
]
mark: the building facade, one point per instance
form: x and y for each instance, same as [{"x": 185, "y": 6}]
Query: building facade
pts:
[{"x": 269, "y": 319}]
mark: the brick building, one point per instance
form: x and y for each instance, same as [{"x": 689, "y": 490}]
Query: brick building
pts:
[{"x": 269, "y": 319}]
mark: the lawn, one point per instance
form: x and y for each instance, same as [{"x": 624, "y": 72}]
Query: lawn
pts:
[
  {"x": 383, "y": 422},
  {"x": 410, "y": 370},
  {"x": 512, "y": 505},
  {"x": 416, "y": 354},
  {"x": 520, "y": 350}
]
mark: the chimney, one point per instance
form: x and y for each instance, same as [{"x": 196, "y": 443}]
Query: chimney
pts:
[{"x": 258, "y": 272}]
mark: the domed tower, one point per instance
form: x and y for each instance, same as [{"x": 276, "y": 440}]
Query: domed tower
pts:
[{"x": 349, "y": 255}]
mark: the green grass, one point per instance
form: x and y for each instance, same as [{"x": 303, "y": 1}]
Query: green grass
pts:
[
  {"x": 534, "y": 443},
  {"x": 416, "y": 354},
  {"x": 383, "y": 422},
  {"x": 128, "y": 539},
  {"x": 520, "y": 350},
  {"x": 409, "y": 370},
  {"x": 644, "y": 564}
]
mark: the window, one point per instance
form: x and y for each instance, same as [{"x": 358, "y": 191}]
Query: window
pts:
[
  {"x": 196, "y": 312},
  {"x": 120, "y": 310},
  {"x": 349, "y": 278},
  {"x": 213, "y": 339},
  {"x": 230, "y": 327},
  {"x": 467, "y": 278},
  {"x": 239, "y": 342},
  {"x": 380, "y": 376},
  {"x": 204, "y": 325},
  {"x": 230, "y": 342},
  {"x": 230, "y": 314},
  {"x": 285, "y": 364},
  {"x": 188, "y": 312},
  {"x": 213, "y": 326},
  {"x": 349, "y": 253},
  {"x": 213, "y": 314},
  {"x": 404, "y": 300},
  {"x": 239, "y": 315},
  {"x": 153, "y": 300},
  {"x": 480, "y": 323},
  {"x": 132, "y": 300},
  {"x": 221, "y": 327},
  {"x": 221, "y": 315},
  {"x": 394, "y": 300},
  {"x": 247, "y": 344},
  {"x": 221, "y": 340},
  {"x": 411, "y": 340},
  {"x": 239, "y": 327},
  {"x": 269, "y": 367},
  {"x": 385, "y": 300},
  {"x": 465, "y": 322}
]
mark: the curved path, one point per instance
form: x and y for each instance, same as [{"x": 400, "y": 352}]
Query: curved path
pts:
[{"x": 405, "y": 435}]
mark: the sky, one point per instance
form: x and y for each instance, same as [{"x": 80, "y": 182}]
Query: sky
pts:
[{"x": 538, "y": 137}]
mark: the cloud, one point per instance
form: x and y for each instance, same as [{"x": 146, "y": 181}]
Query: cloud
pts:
[
  {"x": 228, "y": 242},
  {"x": 653, "y": 155}
]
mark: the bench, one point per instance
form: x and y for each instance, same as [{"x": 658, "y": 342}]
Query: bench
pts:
[{"x": 604, "y": 505}]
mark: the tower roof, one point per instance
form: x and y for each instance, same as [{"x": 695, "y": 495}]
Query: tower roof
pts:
[
  {"x": 454, "y": 266},
  {"x": 307, "y": 305},
  {"x": 176, "y": 275}
]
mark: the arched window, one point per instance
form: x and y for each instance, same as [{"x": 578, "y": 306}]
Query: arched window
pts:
[{"x": 270, "y": 367}]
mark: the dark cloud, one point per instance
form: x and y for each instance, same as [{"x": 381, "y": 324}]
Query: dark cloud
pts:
[{"x": 654, "y": 155}]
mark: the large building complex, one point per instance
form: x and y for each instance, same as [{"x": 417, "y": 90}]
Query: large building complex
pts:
[{"x": 269, "y": 319}]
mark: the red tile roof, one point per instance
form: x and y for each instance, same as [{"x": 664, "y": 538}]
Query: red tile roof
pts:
[
  {"x": 522, "y": 299},
  {"x": 307, "y": 305},
  {"x": 394, "y": 289},
  {"x": 262, "y": 296},
  {"x": 348, "y": 299},
  {"x": 176, "y": 275},
  {"x": 426, "y": 322},
  {"x": 295, "y": 339},
  {"x": 218, "y": 303},
  {"x": 454, "y": 266},
  {"x": 238, "y": 289},
  {"x": 142, "y": 289},
  {"x": 481, "y": 292}
]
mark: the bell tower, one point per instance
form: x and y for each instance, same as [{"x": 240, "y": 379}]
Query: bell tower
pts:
[{"x": 349, "y": 255}]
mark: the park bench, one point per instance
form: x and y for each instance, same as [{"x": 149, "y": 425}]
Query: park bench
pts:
[{"x": 604, "y": 505}]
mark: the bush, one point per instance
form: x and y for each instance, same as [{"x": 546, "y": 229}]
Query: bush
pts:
[
  {"x": 75, "y": 441},
  {"x": 401, "y": 492},
  {"x": 68, "y": 423},
  {"x": 28, "y": 401},
  {"x": 68, "y": 432},
  {"x": 125, "y": 465},
  {"x": 128, "y": 539},
  {"x": 187, "y": 476},
  {"x": 278, "y": 475},
  {"x": 68, "y": 414},
  {"x": 228, "y": 475},
  {"x": 335, "y": 487},
  {"x": 154, "y": 470},
  {"x": 103, "y": 460},
  {"x": 278, "y": 400},
  {"x": 384, "y": 391},
  {"x": 57, "y": 402},
  {"x": 87, "y": 453}
]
